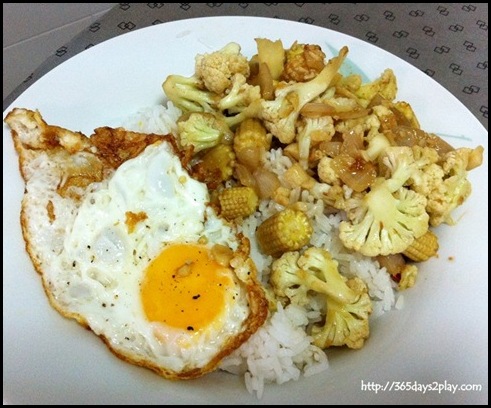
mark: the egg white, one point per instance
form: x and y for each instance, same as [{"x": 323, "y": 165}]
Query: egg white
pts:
[{"x": 93, "y": 266}]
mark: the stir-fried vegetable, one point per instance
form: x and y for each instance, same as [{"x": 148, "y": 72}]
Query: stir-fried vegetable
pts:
[{"x": 349, "y": 144}]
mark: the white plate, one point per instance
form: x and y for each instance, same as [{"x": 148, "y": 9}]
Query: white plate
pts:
[{"x": 439, "y": 338}]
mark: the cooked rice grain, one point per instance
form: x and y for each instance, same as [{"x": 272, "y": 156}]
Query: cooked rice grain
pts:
[
  {"x": 281, "y": 351},
  {"x": 155, "y": 119}
]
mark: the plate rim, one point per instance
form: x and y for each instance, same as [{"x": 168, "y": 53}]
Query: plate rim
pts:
[{"x": 228, "y": 18}]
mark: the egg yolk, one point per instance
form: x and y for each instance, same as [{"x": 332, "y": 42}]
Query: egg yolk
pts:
[{"x": 185, "y": 288}]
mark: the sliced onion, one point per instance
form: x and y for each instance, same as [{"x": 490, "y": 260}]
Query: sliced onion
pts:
[
  {"x": 400, "y": 117},
  {"x": 378, "y": 100},
  {"x": 357, "y": 173},
  {"x": 475, "y": 158},
  {"x": 265, "y": 82},
  {"x": 331, "y": 149},
  {"x": 250, "y": 157},
  {"x": 393, "y": 263},
  {"x": 352, "y": 143},
  {"x": 388, "y": 122},
  {"x": 266, "y": 181},
  {"x": 352, "y": 114},
  {"x": 437, "y": 143},
  {"x": 316, "y": 110},
  {"x": 408, "y": 136},
  {"x": 244, "y": 175}
]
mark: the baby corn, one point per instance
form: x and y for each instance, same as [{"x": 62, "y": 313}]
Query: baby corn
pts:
[
  {"x": 287, "y": 230},
  {"x": 422, "y": 248},
  {"x": 237, "y": 202},
  {"x": 251, "y": 134}
]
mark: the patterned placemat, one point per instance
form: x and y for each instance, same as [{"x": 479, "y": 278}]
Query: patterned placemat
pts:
[{"x": 447, "y": 41}]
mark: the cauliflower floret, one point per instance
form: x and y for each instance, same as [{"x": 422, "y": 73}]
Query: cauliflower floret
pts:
[
  {"x": 443, "y": 181},
  {"x": 300, "y": 277},
  {"x": 319, "y": 129},
  {"x": 351, "y": 82},
  {"x": 202, "y": 131},
  {"x": 335, "y": 196},
  {"x": 187, "y": 93},
  {"x": 327, "y": 173},
  {"x": 358, "y": 125},
  {"x": 312, "y": 132},
  {"x": 341, "y": 104},
  {"x": 377, "y": 145},
  {"x": 385, "y": 85},
  {"x": 451, "y": 190},
  {"x": 388, "y": 218},
  {"x": 386, "y": 117},
  {"x": 431, "y": 173},
  {"x": 408, "y": 277},
  {"x": 428, "y": 180},
  {"x": 217, "y": 69},
  {"x": 401, "y": 164},
  {"x": 286, "y": 282},
  {"x": 383, "y": 222},
  {"x": 425, "y": 155},
  {"x": 280, "y": 115},
  {"x": 303, "y": 62},
  {"x": 346, "y": 323},
  {"x": 219, "y": 84},
  {"x": 240, "y": 95}
]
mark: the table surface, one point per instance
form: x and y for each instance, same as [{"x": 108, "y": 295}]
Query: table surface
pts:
[{"x": 447, "y": 41}]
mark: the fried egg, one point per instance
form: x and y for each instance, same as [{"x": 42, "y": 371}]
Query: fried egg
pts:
[{"x": 139, "y": 257}]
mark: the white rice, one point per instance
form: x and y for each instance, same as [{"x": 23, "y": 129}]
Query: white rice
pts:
[
  {"x": 281, "y": 351},
  {"x": 156, "y": 119},
  {"x": 278, "y": 352}
]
